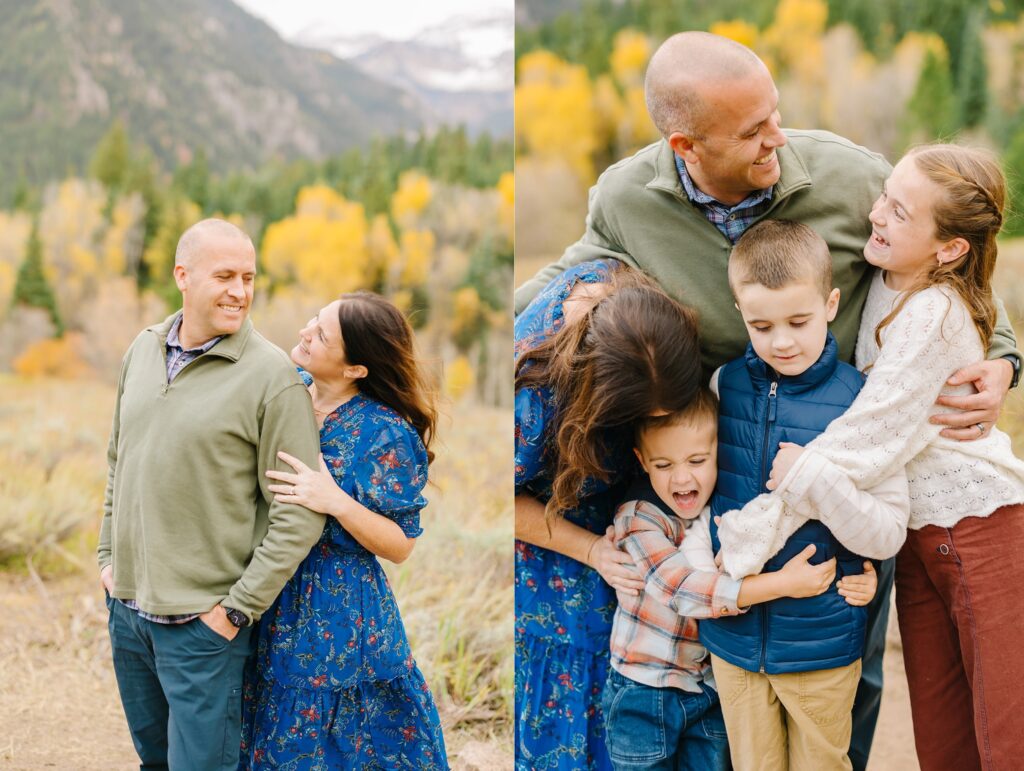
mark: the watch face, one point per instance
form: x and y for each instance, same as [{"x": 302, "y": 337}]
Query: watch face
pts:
[{"x": 237, "y": 617}]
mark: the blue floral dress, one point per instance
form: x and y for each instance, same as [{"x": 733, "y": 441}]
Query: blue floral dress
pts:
[
  {"x": 335, "y": 685},
  {"x": 564, "y": 609}
]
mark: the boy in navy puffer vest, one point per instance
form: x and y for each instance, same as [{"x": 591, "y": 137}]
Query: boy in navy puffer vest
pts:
[{"x": 787, "y": 671}]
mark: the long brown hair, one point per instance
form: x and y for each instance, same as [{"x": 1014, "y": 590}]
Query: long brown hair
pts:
[
  {"x": 376, "y": 335},
  {"x": 970, "y": 207},
  {"x": 633, "y": 352}
]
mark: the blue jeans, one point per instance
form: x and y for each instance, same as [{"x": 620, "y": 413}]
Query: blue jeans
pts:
[
  {"x": 663, "y": 729},
  {"x": 181, "y": 688}
]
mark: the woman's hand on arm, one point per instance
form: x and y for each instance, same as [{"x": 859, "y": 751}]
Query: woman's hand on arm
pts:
[
  {"x": 317, "y": 491},
  {"x": 597, "y": 551}
]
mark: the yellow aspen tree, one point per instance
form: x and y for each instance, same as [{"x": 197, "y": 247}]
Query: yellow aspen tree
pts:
[
  {"x": 630, "y": 51},
  {"x": 322, "y": 248},
  {"x": 411, "y": 198},
  {"x": 417, "y": 253},
  {"x": 553, "y": 118},
  {"x": 507, "y": 205},
  {"x": 742, "y": 32},
  {"x": 14, "y": 230}
]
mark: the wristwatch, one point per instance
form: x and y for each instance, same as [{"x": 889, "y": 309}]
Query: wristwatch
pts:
[
  {"x": 237, "y": 617},
  {"x": 1015, "y": 363}
]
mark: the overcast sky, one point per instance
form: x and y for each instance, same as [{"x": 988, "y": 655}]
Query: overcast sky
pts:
[{"x": 396, "y": 19}]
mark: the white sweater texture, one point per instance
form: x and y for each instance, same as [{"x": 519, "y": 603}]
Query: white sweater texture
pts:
[{"x": 887, "y": 429}]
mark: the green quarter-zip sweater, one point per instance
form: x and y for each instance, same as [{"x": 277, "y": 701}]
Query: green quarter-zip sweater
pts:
[
  {"x": 639, "y": 213},
  {"x": 188, "y": 520}
]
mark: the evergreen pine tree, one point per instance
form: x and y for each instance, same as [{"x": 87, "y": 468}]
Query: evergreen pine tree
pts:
[
  {"x": 111, "y": 158},
  {"x": 32, "y": 288},
  {"x": 1013, "y": 165},
  {"x": 931, "y": 111},
  {"x": 972, "y": 74}
]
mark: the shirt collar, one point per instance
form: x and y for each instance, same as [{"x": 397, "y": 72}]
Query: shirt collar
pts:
[
  {"x": 174, "y": 342},
  {"x": 701, "y": 198}
]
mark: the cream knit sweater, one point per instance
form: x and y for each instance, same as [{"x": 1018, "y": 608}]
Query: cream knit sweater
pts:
[{"x": 887, "y": 428}]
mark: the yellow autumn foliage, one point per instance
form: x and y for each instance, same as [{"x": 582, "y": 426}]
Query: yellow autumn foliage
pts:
[
  {"x": 417, "y": 254},
  {"x": 630, "y": 51},
  {"x": 742, "y": 32},
  {"x": 58, "y": 358},
  {"x": 507, "y": 204},
  {"x": 14, "y": 230},
  {"x": 412, "y": 197},
  {"x": 322, "y": 248},
  {"x": 459, "y": 378},
  {"x": 793, "y": 40},
  {"x": 553, "y": 111}
]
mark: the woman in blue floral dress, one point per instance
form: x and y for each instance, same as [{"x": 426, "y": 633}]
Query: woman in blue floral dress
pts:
[
  {"x": 335, "y": 685},
  {"x": 599, "y": 347}
]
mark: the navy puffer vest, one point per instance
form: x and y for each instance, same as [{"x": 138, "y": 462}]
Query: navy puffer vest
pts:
[{"x": 758, "y": 410}]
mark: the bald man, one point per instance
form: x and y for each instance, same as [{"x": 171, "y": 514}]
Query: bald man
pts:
[
  {"x": 193, "y": 548},
  {"x": 675, "y": 209}
]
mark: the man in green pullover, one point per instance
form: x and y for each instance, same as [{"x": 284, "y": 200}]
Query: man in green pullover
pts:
[
  {"x": 193, "y": 547},
  {"x": 675, "y": 209}
]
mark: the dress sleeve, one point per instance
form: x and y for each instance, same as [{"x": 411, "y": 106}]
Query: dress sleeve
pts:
[
  {"x": 392, "y": 476},
  {"x": 532, "y": 415}
]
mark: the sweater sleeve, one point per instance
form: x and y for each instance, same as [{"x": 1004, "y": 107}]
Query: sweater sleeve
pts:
[
  {"x": 1003, "y": 341},
  {"x": 104, "y": 549},
  {"x": 885, "y": 427},
  {"x": 669, "y": 578},
  {"x": 287, "y": 425}
]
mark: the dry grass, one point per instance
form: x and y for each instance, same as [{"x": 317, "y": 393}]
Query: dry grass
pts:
[{"x": 58, "y": 700}]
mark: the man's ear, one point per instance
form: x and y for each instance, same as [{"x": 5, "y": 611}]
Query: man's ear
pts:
[
  {"x": 180, "y": 277},
  {"x": 683, "y": 146},
  {"x": 952, "y": 250}
]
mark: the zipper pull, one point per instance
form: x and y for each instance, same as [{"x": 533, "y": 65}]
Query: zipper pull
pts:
[{"x": 772, "y": 401}]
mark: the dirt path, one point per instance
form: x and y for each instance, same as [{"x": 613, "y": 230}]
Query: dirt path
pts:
[{"x": 59, "y": 707}]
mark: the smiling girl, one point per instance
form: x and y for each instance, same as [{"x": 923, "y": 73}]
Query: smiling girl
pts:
[{"x": 929, "y": 312}]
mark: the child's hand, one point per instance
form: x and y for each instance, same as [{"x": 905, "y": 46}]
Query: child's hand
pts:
[
  {"x": 784, "y": 459},
  {"x": 859, "y": 590},
  {"x": 802, "y": 579}
]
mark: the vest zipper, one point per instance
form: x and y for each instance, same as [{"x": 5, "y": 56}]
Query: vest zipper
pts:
[{"x": 772, "y": 401}]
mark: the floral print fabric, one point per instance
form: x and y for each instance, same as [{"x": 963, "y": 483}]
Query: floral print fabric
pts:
[
  {"x": 564, "y": 609},
  {"x": 334, "y": 684}
]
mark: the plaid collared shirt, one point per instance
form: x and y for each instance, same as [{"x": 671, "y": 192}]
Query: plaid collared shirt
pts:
[
  {"x": 177, "y": 358},
  {"x": 654, "y": 635},
  {"x": 732, "y": 221}
]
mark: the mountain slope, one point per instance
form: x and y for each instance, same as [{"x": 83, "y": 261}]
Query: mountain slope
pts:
[{"x": 185, "y": 75}]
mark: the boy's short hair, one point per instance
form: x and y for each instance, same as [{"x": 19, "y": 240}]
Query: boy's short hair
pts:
[
  {"x": 775, "y": 253},
  {"x": 703, "y": 408}
]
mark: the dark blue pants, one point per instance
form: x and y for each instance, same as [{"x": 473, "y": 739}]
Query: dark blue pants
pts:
[
  {"x": 869, "y": 691},
  {"x": 181, "y": 688},
  {"x": 663, "y": 729}
]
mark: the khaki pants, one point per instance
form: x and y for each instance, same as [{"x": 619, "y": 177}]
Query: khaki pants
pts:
[{"x": 792, "y": 722}]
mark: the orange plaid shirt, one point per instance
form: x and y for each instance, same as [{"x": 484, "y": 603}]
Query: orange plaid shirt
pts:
[{"x": 654, "y": 635}]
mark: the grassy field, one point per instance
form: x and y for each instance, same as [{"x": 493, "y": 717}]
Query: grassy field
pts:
[{"x": 58, "y": 700}]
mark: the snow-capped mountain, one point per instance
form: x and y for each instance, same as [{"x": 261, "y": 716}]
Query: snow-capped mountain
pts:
[{"x": 462, "y": 70}]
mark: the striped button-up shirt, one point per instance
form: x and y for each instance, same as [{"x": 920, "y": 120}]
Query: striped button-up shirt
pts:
[
  {"x": 732, "y": 221},
  {"x": 654, "y": 635},
  {"x": 177, "y": 358}
]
